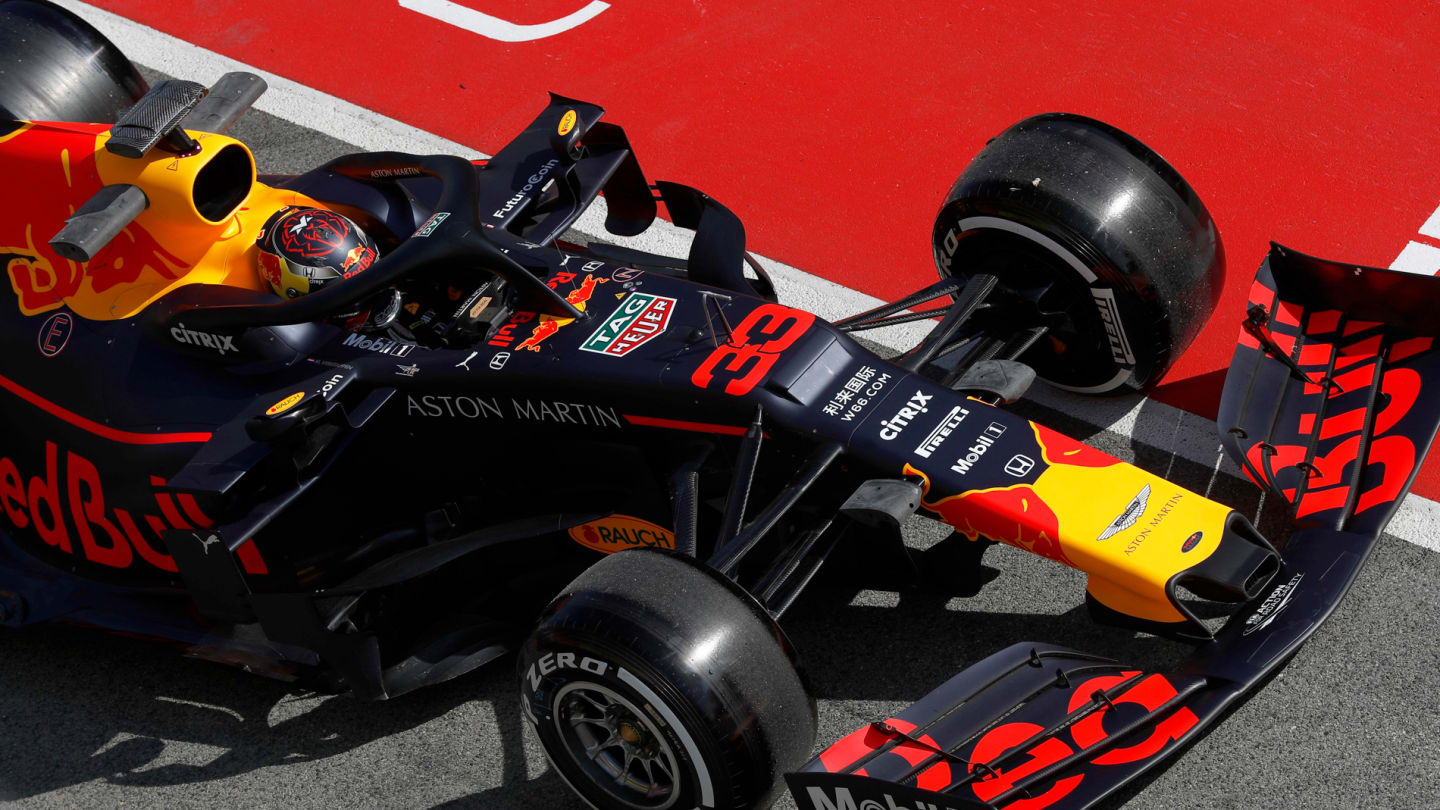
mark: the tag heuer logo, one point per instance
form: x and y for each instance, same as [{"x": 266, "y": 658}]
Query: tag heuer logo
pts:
[
  {"x": 640, "y": 317},
  {"x": 432, "y": 223}
]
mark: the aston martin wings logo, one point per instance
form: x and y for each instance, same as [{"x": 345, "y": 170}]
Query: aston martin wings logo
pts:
[{"x": 1127, "y": 518}]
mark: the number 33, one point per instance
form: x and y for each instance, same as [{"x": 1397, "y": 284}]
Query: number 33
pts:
[{"x": 744, "y": 360}]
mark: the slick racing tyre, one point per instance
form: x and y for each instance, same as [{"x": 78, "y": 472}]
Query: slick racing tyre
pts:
[
  {"x": 654, "y": 684},
  {"x": 55, "y": 67},
  {"x": 1097, "y": 237}
]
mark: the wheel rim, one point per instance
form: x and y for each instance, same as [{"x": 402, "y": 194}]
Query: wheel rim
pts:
[
  {"x": 1046, "y": 279},
  {"x": 613, "y": 742}
]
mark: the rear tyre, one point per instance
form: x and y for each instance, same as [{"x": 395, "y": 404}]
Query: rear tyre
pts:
[
  {"x": 55, "y": 67},
  {"x": 655, "y": 684},
  {"x": 1095, "y": 236}
]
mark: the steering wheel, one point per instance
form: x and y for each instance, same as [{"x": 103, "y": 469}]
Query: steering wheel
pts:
[{"x": 458, "y": 236}]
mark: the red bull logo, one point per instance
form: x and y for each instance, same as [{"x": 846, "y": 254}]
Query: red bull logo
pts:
[
  {"x": 129, "y": 256},
  {"x": 550, "y": 324},
  {"x": 357, "y": 261},
  {"x": 53, "y": 187},
  {"x": 41, "y": 278},
  {"x": 270, "y": 268},
  {"x": 1021, "y": 514},
  {"x": 66, "y": 508},
  {"x": 1016, "y": 515}
]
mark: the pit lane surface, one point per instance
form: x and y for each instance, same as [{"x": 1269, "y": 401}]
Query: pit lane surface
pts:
[
  {"x": 93, "y": 720},
  {"x": 1296, "y": 123},
  {"x": 834, "y": 128}
]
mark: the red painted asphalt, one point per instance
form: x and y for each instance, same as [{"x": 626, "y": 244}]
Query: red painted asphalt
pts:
[{"x": 834, "y": 129}]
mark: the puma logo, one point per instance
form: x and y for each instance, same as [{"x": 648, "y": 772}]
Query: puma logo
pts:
[{"x": 206, "y": 543}]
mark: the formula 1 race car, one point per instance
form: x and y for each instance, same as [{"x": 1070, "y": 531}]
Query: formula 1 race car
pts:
[{"x": 389, "y": 481}]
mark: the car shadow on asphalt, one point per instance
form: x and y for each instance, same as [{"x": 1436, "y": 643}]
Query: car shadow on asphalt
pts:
[{"x": 80, "y": 705}]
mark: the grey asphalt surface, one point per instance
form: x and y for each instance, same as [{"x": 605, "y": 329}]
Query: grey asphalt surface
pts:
[{"x": 90, "y": 720}]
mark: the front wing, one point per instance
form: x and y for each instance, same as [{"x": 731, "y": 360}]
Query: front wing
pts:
[{"x": 1039, "y": 726}]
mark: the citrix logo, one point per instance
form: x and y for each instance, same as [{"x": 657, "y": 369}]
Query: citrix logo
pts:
[
  {"x": 919, "y": 403},
  {"x": 220, "y": 343}
]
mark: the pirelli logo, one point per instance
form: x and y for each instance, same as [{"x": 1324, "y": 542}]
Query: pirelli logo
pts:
[
  {"x": 942, "y": 431},
  {"x": 1110, "y": 316}
]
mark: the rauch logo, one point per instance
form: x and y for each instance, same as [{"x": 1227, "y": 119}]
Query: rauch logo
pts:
[{"x": 619, "y": 532}]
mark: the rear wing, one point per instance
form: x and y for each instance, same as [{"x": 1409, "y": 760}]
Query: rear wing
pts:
[
  {"x": 1331, "y": 402},
  {"x": 544, "y": 179}
]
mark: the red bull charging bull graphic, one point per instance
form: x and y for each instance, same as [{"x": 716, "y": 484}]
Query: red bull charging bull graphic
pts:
[
  {"x": 56, "y": 174},
  {"x": 549, "y": 324},
  {"x": 990, "y": 474},
  {"x": 1018, "y": 514}
]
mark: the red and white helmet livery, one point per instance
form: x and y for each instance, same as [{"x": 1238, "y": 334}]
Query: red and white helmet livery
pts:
[{"x": 303, "y": 249}]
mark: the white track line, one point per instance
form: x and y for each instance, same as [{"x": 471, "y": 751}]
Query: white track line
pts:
[
  {"x": 1149, "y": 422},
  {"x": 285, "y": 99}
]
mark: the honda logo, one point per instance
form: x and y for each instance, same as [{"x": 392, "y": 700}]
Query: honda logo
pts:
[{"x": 1019, "y": 465}]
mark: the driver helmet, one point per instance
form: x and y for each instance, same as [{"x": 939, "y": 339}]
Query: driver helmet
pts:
[{"x": 303, "y": 249}]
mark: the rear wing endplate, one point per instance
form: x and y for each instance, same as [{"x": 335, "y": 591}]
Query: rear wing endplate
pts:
[{"x": 544, "y": 179}]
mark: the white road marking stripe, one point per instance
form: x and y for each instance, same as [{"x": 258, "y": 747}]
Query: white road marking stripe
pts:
[
  {"x": 1418, "y": 258},
  {"x": 497, "y": 29},
  {"x": 371, "y": 131},
  {"x": 285, "y": 99},
  {"x": 1431, "y": 228},
  {"x": 1149, "y": 422},
  {"x": 1214, "y": 470}
]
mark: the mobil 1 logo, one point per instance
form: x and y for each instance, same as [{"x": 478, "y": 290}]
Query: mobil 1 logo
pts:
[
  {"x": 970, "y": 456},
  {"x": 870, "y": 794}
]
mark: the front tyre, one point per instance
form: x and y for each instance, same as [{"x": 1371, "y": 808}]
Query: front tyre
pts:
[
  {"x": 1094, "y": 236},
  {"x": 653, "y": 684}
]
